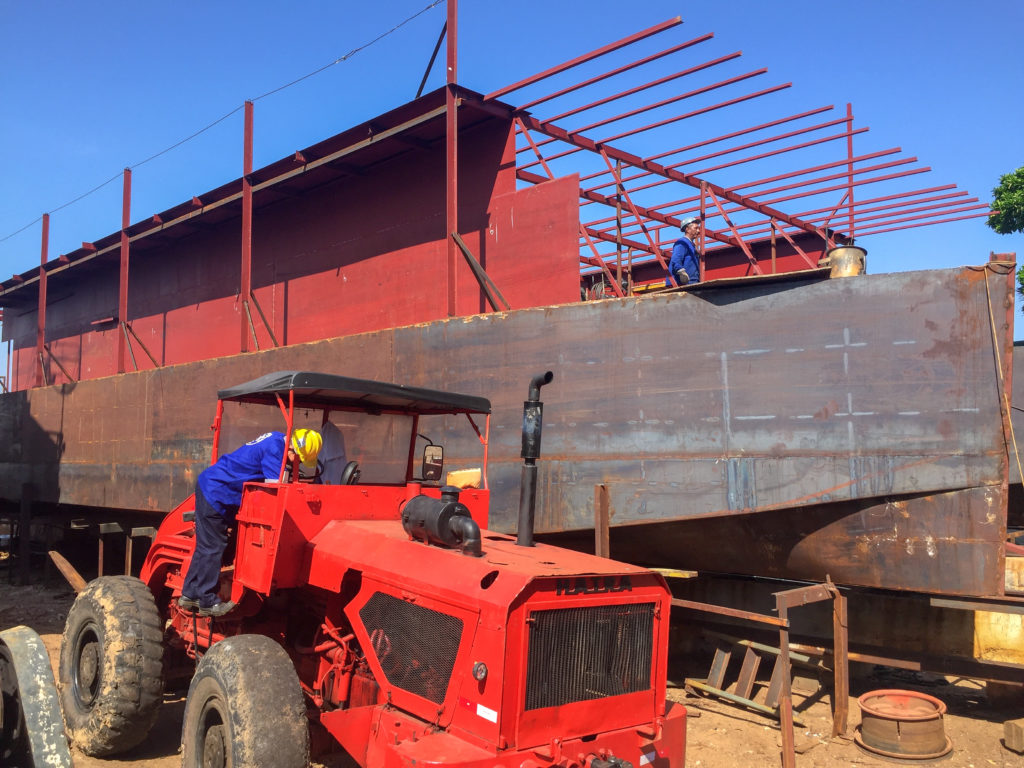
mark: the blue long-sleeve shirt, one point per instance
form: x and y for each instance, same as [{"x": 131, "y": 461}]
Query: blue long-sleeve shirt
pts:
[
  {"x": 684, "y": 256},
  {"x": 260, "y": 459}
]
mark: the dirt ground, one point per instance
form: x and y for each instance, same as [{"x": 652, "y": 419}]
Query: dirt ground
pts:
[{"x": 719, "y": 735}]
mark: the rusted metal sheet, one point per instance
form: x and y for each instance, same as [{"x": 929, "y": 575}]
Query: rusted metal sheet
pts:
[
  {"x": 827, "y": 398},
  {"x": 942, "y": 542}
]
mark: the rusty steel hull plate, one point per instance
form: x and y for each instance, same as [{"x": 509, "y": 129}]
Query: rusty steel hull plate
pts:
[{"x": 727, "y": 402}]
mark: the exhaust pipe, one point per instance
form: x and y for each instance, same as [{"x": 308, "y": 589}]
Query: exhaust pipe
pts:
[{"x": 533, "y": 410}]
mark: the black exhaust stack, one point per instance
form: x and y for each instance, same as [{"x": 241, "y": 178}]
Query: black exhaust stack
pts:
[{"x": 533, "y": 410}]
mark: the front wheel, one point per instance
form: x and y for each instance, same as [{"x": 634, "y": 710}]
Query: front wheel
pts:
[
  {"x": 245, "y": 707},
  {"x": 31, "y": 729},
  {"x": 111, "y": 666}
]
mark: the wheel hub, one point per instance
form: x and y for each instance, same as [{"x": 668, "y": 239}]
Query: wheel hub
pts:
[
  {"x": 214, "y": 753},
  {"x": 88, "y": 671}
]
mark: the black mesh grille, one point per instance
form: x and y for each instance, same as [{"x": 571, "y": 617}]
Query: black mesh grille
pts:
[
  {"x": 416, "y": 646},
  {"x": 578, "y": 654}
]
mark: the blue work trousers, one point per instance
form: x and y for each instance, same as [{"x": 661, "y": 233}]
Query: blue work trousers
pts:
[{"x": 203, "y": 577}]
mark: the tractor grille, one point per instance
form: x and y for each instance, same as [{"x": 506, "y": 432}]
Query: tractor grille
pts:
[
  {"x": 579, "y": 654},
  {"x": 415, "y": 646}
]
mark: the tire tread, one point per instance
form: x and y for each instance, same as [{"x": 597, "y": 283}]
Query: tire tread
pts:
[{"x": 127, "y": 705}]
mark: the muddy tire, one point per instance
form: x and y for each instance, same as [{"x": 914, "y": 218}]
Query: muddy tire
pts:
[
  {"x": 245, "y": 707},
  {"x": 111, "y": 670},
  {"x": 31, "y": 728}
]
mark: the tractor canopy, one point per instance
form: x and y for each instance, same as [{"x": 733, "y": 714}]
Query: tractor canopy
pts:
[{"x": 324, "y": 390}]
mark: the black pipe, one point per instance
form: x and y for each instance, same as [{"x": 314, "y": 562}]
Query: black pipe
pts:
[
  {"x": 533, "y": 412},
  {"x": 469, "y": 535}
]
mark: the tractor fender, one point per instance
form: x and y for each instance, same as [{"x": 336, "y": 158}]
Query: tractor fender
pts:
[{"x": 35, "y": 735}]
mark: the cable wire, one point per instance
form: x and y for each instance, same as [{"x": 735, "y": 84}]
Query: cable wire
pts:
[
  {"x": 353, "y": 52},
  {"x": 201, "y": 131}
]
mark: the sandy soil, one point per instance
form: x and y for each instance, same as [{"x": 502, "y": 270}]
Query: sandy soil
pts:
[{"x": 719, "y": 735}]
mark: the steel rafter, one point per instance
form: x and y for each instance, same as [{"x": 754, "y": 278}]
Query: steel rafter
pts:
[
  {"x": 737, "y": 212},
  {"x": 748, "y": 145},
  {"x": 661, "y": 170}
]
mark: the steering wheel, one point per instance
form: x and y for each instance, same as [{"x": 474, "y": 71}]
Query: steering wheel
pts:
[
  {"x": 350, "y": 475},
  {"x": 307, "y": 475}
]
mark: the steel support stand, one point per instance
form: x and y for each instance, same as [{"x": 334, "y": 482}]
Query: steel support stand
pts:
[
  {"x": 147, "y": 531},
  {"x": 602, "y": 521},
  {"x": 791, "y": 598},
  {"x": 25, "y": 534},
  {"x": 104, "y": 530}
]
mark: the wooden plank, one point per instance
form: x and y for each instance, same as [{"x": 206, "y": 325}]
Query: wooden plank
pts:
[{"x": 73, "y": 577}]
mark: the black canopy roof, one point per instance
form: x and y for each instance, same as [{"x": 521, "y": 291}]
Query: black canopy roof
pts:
[{"x": 325, "y": 390}]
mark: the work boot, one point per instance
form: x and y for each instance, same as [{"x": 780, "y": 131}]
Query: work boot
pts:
[
  {"x": 216, "y": 610},
  {"x": 188, "y": 603}
]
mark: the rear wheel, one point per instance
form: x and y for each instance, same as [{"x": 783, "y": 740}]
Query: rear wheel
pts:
[
  {"x": 111, "y": 666},
  {"x": 245, "y": 708}
]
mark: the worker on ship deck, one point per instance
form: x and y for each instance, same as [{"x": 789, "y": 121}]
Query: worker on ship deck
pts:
[
  {"x": 684, "y": 265},
  {"x": 218, "y": 496}
]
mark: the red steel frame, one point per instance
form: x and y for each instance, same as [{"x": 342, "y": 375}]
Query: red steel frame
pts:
[
  {"x": 641, "y": 227},
  {"x": 631, "y": 227}
]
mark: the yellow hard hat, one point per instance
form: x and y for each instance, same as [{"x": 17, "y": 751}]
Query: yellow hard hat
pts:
[{"x": 306, "y": 444}]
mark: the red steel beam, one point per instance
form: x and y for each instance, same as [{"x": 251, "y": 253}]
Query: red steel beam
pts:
[
  {"x": 536, "y": 149},
  {"x": 669, "y": 120},
  {"x": 755, "y": 230},
  {"x": 617, "y": 71},
  {"x": 648, "y": 85},
  {"x": 691, "y": 181},
  {"x": 923, "y": 224},
  {"x": 925, "y": 217},
  {"x": 655, "y": 248},
  {"x": 694, "y": 113},
  {"x": 672, "y": 100},
  {"x": 823, "y": 167},
  {"x": 729, "y": 150},
  {"x": 838, "y": 187},
  {"x": 886, "y": 212},
  {"x": 849, "y": 154},
  {"x": 751, "y": 129},
  {"x": 872, "y": 180},
  {"x": 596, "y": 53},
  {"x": 638, "y": 210},
  {"x": 122, "y": 293},
  {"x": 634, "y": 244},
  {"x": 451, "y": 121},
  {"x": 749, "y": 159},
  {"x": 898, "y": 196},
  {"x": 41, "y": 316},
  {"x": 598, "y": 261},
  {"x": 245, "y": 287},
  {"x": 882, "y": 212},
  {"x": 779, "y": 151}
]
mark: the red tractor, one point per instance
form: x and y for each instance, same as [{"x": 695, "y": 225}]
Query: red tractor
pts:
[{"x": 375, "y": 613}]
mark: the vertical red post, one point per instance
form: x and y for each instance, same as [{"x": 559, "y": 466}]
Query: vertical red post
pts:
[
  {"x": 703, "y": 228},
  {"x": 849, "y": 167},
  {"x": 41, "y": 319},
  {"x": 122, "y": 293},
  {"x": 245, "y": 289},
  {"x": 451, "y": 155}
]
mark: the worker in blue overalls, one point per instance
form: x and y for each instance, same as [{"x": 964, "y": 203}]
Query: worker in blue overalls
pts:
[
  {"x": 218, "y": 495},
  {"x": 684, "y": 265}
]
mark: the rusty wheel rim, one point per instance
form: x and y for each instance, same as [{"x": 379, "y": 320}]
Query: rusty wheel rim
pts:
[{"x": 902, "y": 724}]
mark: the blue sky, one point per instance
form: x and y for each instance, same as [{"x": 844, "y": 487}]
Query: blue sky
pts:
[{"x": 89, "y": 88}]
